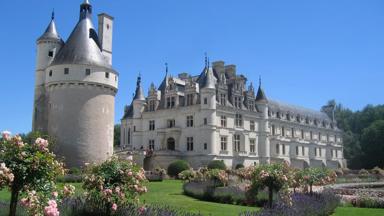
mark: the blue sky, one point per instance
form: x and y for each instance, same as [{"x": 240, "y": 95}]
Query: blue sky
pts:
[{"x": 307, "y": 52}]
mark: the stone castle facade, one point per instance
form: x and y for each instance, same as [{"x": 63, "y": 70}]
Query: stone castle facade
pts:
[
  {"x": 75, "y": 88},
  {"x": 216, "y": 116}
]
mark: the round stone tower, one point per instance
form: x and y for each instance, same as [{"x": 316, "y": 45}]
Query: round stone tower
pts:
[
  {"x": 47, "y": 46},
  {"x": 81, "y": 87}
]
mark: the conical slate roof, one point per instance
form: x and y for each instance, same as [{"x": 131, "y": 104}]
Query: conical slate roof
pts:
[
  {"x": 139, "y": 95},
  {"x": 82, "y": 46},
  {"x": 261, "y": 95},
  {"x": 207, "y": 79},
  {"x": 50, "y": 32}
]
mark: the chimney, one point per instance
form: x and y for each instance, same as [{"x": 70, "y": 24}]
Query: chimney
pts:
[{"x": 105, "y": 35}]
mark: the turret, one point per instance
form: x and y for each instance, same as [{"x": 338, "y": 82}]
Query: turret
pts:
[
  {"x": 208, "y": 89},
  {"x": 138, "y": 99},
  {"x": 48, "y": 44},
  {"x": 262, "y": 106}
]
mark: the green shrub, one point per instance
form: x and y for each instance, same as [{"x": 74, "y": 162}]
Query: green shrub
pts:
[
  {"x": 377, "y": 171},
  {"x": 177, "y": 167},
  {"x": 217, "y": 164},
  {"x": 239, "y": 166},
  {"x": 363, "y": 173}
]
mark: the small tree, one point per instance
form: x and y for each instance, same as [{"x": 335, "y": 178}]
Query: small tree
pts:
[
  {"x": 217, "y": 164},
  {"x": 30, "y": 170},
  {"x": 317, "y": 176},
  {"x": 273, "y": 176},
  {"x": 177, "y": 167},
  {"x": 113, "y": 183}
]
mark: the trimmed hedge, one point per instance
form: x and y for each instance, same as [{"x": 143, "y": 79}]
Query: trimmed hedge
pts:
[
  {"x": 177, "y": 167},
  {"x": 217, "y": 164}
]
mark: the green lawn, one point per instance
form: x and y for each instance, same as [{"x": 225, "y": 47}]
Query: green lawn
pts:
[{"x": 169, "y": 192}]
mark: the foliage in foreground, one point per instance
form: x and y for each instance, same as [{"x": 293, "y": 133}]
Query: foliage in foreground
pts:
[
  {"x": 30, "y": 171},
  {"x": 113, "y": 184},
  {"x": 318, "y": 204}
]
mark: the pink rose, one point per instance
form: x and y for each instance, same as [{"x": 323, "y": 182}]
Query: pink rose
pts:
[
  {"x": 6, "y": 135},
  {"x": 114, "y": 207}
]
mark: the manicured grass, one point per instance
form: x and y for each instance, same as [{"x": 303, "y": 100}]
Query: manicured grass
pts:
[
  {"x": 351, "y": 211},
  {"x": 169, "y": 192}
]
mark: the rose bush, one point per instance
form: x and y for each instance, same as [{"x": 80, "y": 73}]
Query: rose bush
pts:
[
  {"x": 274, "y": 176},
  {"x": 30, "y": 171},
  {"x": 317, "y": 176},
  {"x": 113, "y": 183}
]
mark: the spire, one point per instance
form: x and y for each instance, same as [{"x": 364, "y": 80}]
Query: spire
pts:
[
  {"x": 50, "y": 31},
  {"x": 139, "y": 95},
  {"x": 85, "y": 10},
  {"x": 260, "y": 93}
]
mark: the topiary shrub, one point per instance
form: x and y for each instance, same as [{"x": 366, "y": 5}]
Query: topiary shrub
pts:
[
  {"x": 239, "y": 166},
  {"x": 217, "y": 164},
  {"x": 177, "y": 167}
]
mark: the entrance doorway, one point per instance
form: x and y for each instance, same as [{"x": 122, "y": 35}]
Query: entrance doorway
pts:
[{"x": 171, "y": 144}]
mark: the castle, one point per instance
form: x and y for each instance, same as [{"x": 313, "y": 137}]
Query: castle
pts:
[
  {"x": 216, "y": 116},
  {"x": 75, "y": 88}
]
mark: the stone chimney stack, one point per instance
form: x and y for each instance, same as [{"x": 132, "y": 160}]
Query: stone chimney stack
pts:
[{"x": 105, "y": 35}]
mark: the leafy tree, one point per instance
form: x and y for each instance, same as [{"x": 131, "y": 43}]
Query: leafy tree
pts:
[
  {"x": 116, "y": 135},
  {"x": 29, "y": 170},
  {"x": 373, "y": 148}
]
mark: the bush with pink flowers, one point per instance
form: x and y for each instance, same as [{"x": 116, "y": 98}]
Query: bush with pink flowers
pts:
[
  {"x": 30, "y": 171},
  {"x": 113, "y": 183},
  {"x": 273, "y": 176},
  {"x": 317, "y": 176}
]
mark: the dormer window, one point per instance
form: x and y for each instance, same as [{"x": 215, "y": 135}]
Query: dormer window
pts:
[
  {"x": 151, "y": 105},
  {"x": 223, "y": 99},
  {"x": 189, "y": 99},
  {"x": 170, "y": 102}
]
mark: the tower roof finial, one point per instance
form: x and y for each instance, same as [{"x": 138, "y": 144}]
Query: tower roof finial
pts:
[
  {"x": 206, "y": 59},
  {"x": 53, "y": 14},
  {"x": 166, "y": 68},
  {"x": 260, "y": 80}
]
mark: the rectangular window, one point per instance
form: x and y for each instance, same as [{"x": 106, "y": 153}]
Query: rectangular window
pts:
[
  {"x": 223, "y": 143},
  {"x": 152, "y": 144},
  {"x": 205, "y": 100},
  {"x": 189, "y": 121},
  {"x": 311, "y": 135},
  {"x": 87, "y": 72},
  {"x": 50, "y": 53},
  {"x": 152, "y": 125},
  {"x": 320, "y": 152},
  {"x": 252, "y": 145},
  {"x": 252, "y": 125},
  {"x": 273, "y": 130},
  {"x": 50, "y": 73},
  {"x": 205, "y": 146},
  {"x": 303, "y": 150},
  {"x": 223, "y": 120},
  {"x": 170, "y": 102},
  {"x": 189, "y": 143},
  {"x": 302, "y": 134},
  {"x": 66, "y": 70},
  {"x": 152, "y": 105},
  {"x": 283, "y": 146},
  {"x": 293, "y": 133},
  {"x": 189, "y": 99},
  {"x": 297, "y": 150},
  {"x": 236, "y": 142},
  {"x": 106, "y": 75},
  {"x": 283, "y": 131},
  {"x": 223, "y": 99},
  {"x": 205, "y": 121},
  {"x": 171, "y": 123},
  {"x": 277, "y": 149},
  {"x": 239, "y": 120}
]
